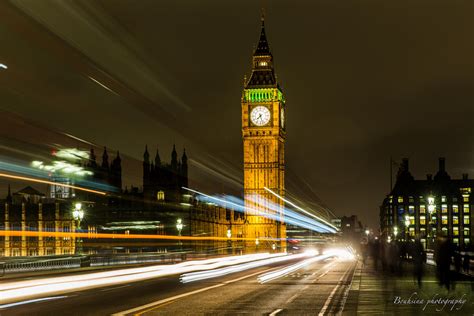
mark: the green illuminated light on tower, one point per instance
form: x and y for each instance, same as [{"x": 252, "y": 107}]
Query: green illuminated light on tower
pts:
[{"x": 263, "y": 95}]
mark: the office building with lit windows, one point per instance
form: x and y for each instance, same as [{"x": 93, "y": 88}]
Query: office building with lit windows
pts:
[{"x": 435, "y": 206}]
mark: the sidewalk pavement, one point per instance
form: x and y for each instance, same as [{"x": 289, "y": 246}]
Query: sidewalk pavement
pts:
[{"x": 382, "y": 293}]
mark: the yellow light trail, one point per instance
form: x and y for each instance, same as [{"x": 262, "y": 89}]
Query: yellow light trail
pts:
[
  {"x": 5, "y": 175},
  {"x": 19, "y": 233}
]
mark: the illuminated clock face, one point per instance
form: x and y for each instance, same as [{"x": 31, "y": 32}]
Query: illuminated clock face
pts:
[
  {"x": 260, "y": 115},
  {"x": 282, "y": 117}
]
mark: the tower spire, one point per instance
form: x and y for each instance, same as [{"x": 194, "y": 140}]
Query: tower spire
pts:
[
  {"x": 263, "y": 74},
  {"x": 9, "y": 195},
  {"x": 262, "y": 48}
]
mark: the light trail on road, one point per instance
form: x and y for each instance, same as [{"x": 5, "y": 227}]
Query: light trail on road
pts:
[
  {"x": 273, "y": 275},
  {"x": 41, "y": 287},
  {"x": 197, "y": 276}
]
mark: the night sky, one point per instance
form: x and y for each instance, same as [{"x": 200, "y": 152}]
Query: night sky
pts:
[{"x": 363, "y": 80}]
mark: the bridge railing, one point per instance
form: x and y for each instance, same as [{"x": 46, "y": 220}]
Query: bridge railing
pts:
[
  {"x": 39, "y": 265},
  {"x": 33, "y": 265}
]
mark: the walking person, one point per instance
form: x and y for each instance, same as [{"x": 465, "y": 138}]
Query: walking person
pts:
[
  {"x": 457, "y": 261},
  {"x": 466, "y": 263},
  {"x": 418, "y": 255},
  {"x": 443, "y": 261}
]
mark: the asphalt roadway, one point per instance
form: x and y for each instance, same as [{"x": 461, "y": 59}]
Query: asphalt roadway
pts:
[{"x": 318, "y": 289}]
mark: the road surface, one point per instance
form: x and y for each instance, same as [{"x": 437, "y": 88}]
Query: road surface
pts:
[{"x": 320, "y": 288}]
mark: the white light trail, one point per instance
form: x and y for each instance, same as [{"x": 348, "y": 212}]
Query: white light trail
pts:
[
  {"x": 3, "y": 66},
  {"x": 31, "y": 301},
  {"x": 72, "y": 154},
  {"x": 287, "y": 270},
  {"x": 301, "y": 209},
  {"x": 341, "y": 253},
  {"x": 290, "y": 217},
  {"x": 61, "y": 166},
  {"x": 14, "y": 291},
  {"x": 197, "y": 276},
  {"x": 103, "y": 85}
]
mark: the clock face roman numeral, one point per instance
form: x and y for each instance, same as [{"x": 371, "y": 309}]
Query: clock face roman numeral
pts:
[{"x": 260, "y": 115}]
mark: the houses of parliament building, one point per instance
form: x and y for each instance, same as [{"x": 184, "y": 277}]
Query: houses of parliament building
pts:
[{"x": 161, "y": 202}]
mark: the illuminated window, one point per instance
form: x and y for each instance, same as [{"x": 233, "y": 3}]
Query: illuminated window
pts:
[
  {"x": 466, "y": 190},
  {"x": 422, "y": 209},
  {"x": 412, "y": 231},
  {"x": 400, "y": 199},
  {"x": 401, "y": 210},
  {"x": 456, "y": 241},
  {"x": 466, "y": 231},
  {"x": 456, "y": 231},
  {"x": 411, "y": 209},
  {"x": 263, "y": 63},
  {"x": 466, "y": 220},
  {"x": 466, "y": 208},
  {"x": 410, "y": 199},
  {"x": 465, "y": 198},
  {"x": 412, "y": 220},
  {"x": 455, "y": 220},
  {"x": 444, "y": 220},
  {"x": 444, "y": 208},
  {"x": 455, "y": 209},
  {"x": 160, "y": 196},
  {"x": 422, "y": 220},
  {"x": 467, "y": 241},
  {"x": 443, "y": 199}
]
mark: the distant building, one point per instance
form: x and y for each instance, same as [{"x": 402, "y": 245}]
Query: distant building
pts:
[
  {"x": 336, "y": 222},
  {"x": 157, "y": 209},
  {"x": 106, "y": 173},
  {"x": 29, "y": 210},
  {"x": 162, "y": 181},
  {"x": 428, "y": 208},
  {"x": 351, "y": 228}
]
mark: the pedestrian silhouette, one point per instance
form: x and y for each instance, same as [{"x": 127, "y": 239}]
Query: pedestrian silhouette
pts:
[
  {"x": 419, "y": 257},
  {"x": 394, "y": 256},
  {"x": 457, "y": 261},
  {"x": 375, "y": 253},
  {"x": 466, "y": 264},
  {"x": 443, "y": 254},
  {"x": 383, "y": 255}
]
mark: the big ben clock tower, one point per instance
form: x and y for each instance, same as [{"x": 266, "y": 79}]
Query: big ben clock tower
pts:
[{"x": 263, "y": 132}]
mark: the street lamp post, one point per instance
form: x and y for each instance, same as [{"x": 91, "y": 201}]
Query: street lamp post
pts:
[
  {"x": 431, "y": 210},
  {"x": 179, "y": 227},
  {"x": 229, "y": 240},
  {"x": 78, "y": 215},
  {"x": 407, "y": 224}
]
